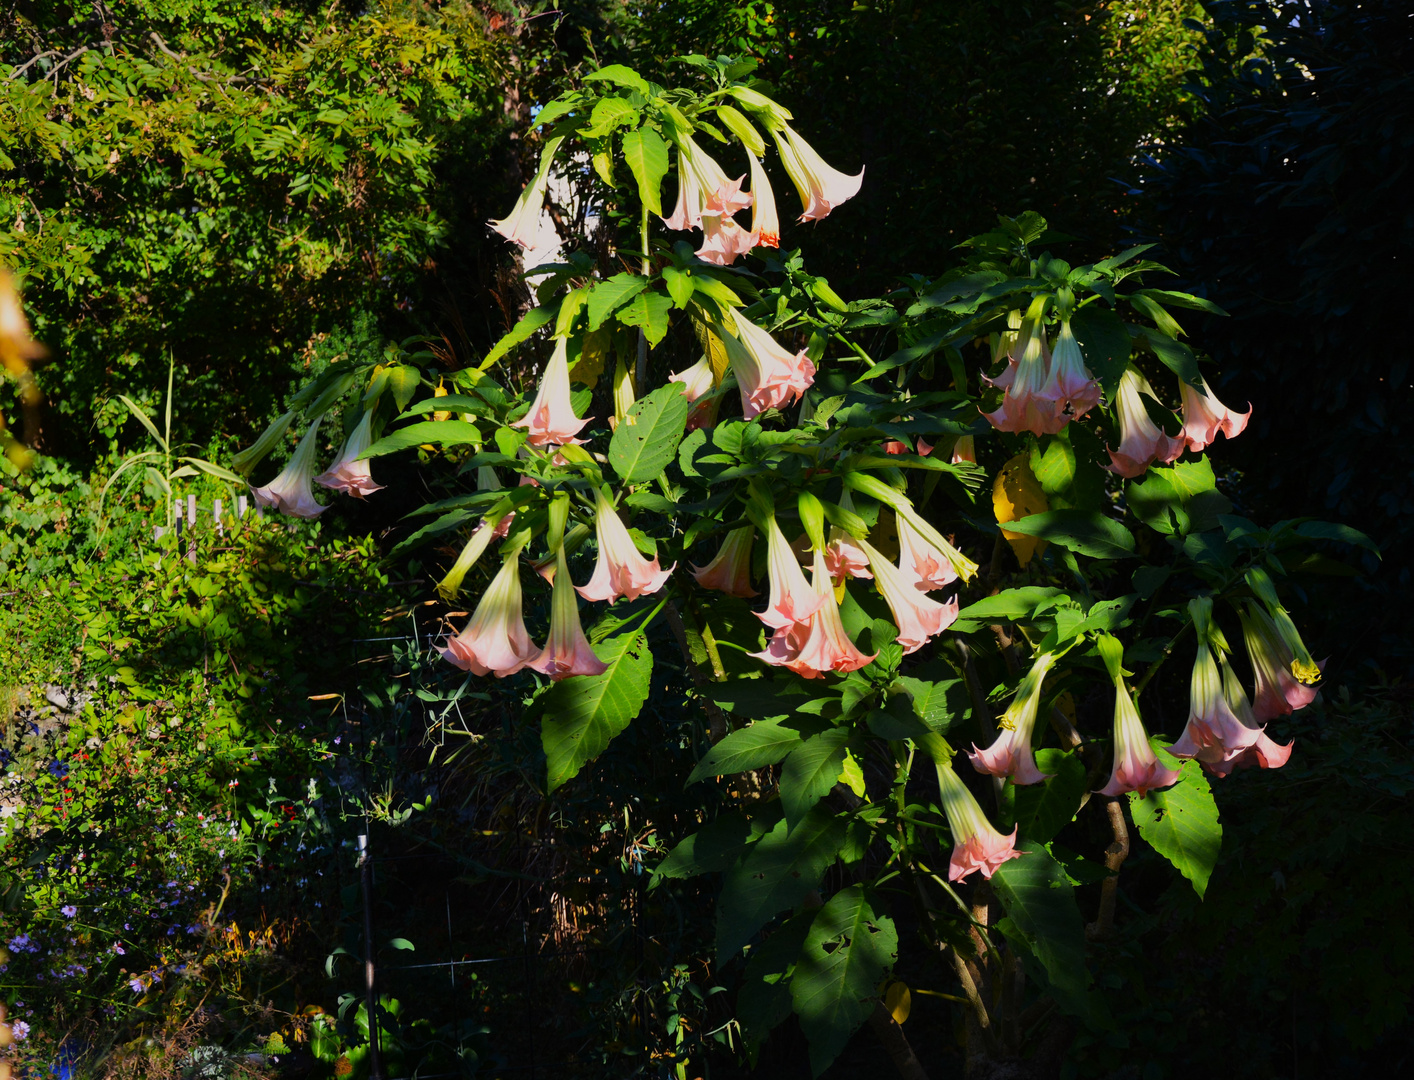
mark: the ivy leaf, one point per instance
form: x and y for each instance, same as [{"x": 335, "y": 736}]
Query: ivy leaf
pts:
[
  {"x": 847, "y": 953},
  {"x": 811, "y": 770},
  {"x": 1043, "y": 918},
  {"x": 581, "y": 714},
  {"x": 1181, "y": 824},
  {"x": 1086, "y": 531},
  {"x": 648, "y": 438},
  {"x": 649, "y": 312},
  {"x": 445, "y": 432},
  {"x": 647, "y": 157},
  {"x": 778, "y": 872},
  {"x": 754, "y": 747}
]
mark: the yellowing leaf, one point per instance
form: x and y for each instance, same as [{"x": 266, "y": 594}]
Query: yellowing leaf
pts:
[
  {"x": 1016, "y": 494},
  {"x": 852, "y": 775},
  {"x": 592, "y": 354},
  {"x": 898, "y": 1001}
]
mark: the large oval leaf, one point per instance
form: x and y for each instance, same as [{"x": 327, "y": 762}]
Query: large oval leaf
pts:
[
  {"x": 446, "y": 432},
  {"x": 1181, "y": 823},
  {"x": 581, "y": 714},
  {"x": 648, "y": 437},
  {"x": 1084, "y": 531}
]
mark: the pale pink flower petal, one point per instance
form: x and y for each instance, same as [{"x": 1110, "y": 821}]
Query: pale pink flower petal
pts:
[
  {"x": 621, "y": 570},
  {"x": 551, "y": 420},
  {"x": 723, "y": 240},
  {"x": 822, "y": 645},
  {"x": 1141, "y": 441},
  {"x": 917, "y": 615},
  {"x": 348, "y": 474},
  {"x": 964, "y": 449},
  {"x": 522, "y": 226},
  {"x": 767, "y": 375},
  {"x": 1070, "y": 387},
  {"x": 845, "y": 558},
  {"x": 821, "y": 187},
  {"x": 567, "y": 650},
  {"x": 977, "y": 845},
  {"x": 922, "y": 564},
  {"x": 730, "y": 571},
  {"x": 1010, "y": 753},
  {"x": 1136, "y": 766},
  {"x": 292, "y": 492},
  {"x": 1214, "y": 732},
  {"x": 1024, "y": 406},
  {"x": 1204, "y": 416},
  {"x": 1277, "y": 691},
  {"x": 765, "y": 221},
  {"x": 496, "y": 639},
  {"x": 791, "y": 598}
]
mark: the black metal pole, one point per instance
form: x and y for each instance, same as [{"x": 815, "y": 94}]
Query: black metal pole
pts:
[{"x": 365, "y": 867}]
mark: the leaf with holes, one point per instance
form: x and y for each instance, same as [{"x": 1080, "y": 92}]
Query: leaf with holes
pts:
[
  {"x": 849, "y": 950},
  {"x": 608, "y": 296},
  {"x": 1181, "y": 823},
  {"x": 649, "y": 312},
  {"x": 646, "y": 441},
  {"x": 581, "y": 714}
]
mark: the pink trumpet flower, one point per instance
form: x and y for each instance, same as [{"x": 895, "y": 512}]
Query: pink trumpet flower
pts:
[
  {"x": 495, "y": 641},
  {"x": 348, "y": 474},
  {"x": 965, "y": 449},
  {"x": 765, "y": 221},
  {"x": 1141, "y": 442},
  {"x": 1025, "y": 406},
  {"x": 821, "y": 187},
  {"x": 977, "y": 845},
  {"x": 917, "y": 615},
  {"x": 703, "y": 189},
  {"x": 1214, "y": 733},
  {"x": 767, "y": 375},
  {"x": 292, "y": 492},
  {"x": 1010, "y": 753},
  {"x": 1277, "y": 691},
  {"x": 697, "y": 382},
  {"x": 1070, "y": 387},
  {"x": 1204, "y": 416},
  {"x": 567, "y": 650},
  {"x": 819, "y": 645},
  {"x": 723, "y": 240},
  {"x": 1262, "y": 754},
  {"x": 621, "y": 570},
  {"x": 522, "y": 225},
  {"x": 845, "y": 557},
  {"x": 730, "y": 571},
  {"x": 791, "y": 598},
  {"x": 922, "y": 563},
  {"x": 551, "y": 420},
  {"x": 1136, "y": 766}
]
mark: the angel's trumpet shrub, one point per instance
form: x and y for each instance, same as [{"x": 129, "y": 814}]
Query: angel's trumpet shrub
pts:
[
  {"x": 1070, "y": 387},
  {"x": 567, "y": 650},
  {"x": 1011, "y": 753},
  {"x": 1277, "y": 691},
  {"x": 730, "y": 571},
  {"x": 791, "y": 599},
  {"x": 1264, "y": 753},
  {"x": 1136, "y": 767},
  {"x": 820, "y": 645},
  {"x": 1204, "y": 416},
  {"x": 977, "y": 845},
  {"x": 703, "y": 188},
  {"x": 522, "y": 225},
  {"x": 348, "y": 474},
  {"x": 765, "y": 221},
  {"x": 495, "y": 641},
  {"x": 767, "y": 375},
  {"x": 1024, "y": 405},
  {"x": 821, "y": 187},
  {"x": 917, "y": 615},
  {"x": 292, "y": 492},
  {"x": 1141, "y": 442},
  {"x": 551, "y": 420},
  {"x": 1214, "y": 733},
  {"x": 621, "y": 571}
]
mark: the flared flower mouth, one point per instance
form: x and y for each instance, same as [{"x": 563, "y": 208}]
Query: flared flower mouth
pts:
[
  {"x": 1011, "y": 753},
  {"x": 292, "y": 492},
  {"x": 348, "y": 474},
  {"x": 1205, "y": 417},
  {"x": 818, "y": 644},
  {"x": 918, "y": 616},
  {"x": 767, "y": 375},
  {"x": 522, "y": 224},
  {"x": 567, "y": 651},
  {"x": 977, "y": 845},
  {"x": 551, "y": 420},
  {"x": 1214, "y": 732},
  {"x": 1141, "y": 442},
  {"x": 621, "y": 570},
  {"x": 495, "y": 641},
  {"x": 821, "y": 187},
  {"x": 730, "y": 571}
]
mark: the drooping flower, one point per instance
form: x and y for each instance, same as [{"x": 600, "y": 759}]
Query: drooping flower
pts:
[
  {"x": 522, "y": 225},
  {"x": 845, "y": 557},
  {"x": 765, "y": 222},
  {"x": 1070, "y": 387},
  {"x": 697, "y": 382},
  {"x": 1265, "y": 753},
  {"x": 964, "y": 449},
  {"x": 977, "y": 845},
  {"x": 791, "y": 599},
  {"x": 1302, "y": 665},
  {"x": 567, "y": 650},
  {"x": 1024, "y": 405},
  {"x": 819, "y": 645},
  {"x": 270, "y": 438},
  {"x": 492, "y": 527},
  {"x": 1214, "y": 733},
  {"x": 703, "y": 188},
  {"x": 292, "y": 492},
  {"x": 1136, "y": 766},
  {"x": 730, "y": 571},
  {"x": 821, "y": 187},
  {"x": 1010, "y": 753},
  {"x": 1277, "y": 691},
  {"x": 348, "y": 474},
  {"x": 495, "y": 641},
  {"x": 551, "y": 420},
  {"x": 925, "y": 565},
  {"x": 621, "y": 570},
  {"x": 917, "y": 615},
  {"x": 1204, "y": 416},
  {"x": 1141, "y": 441},
  {"x": 723, "y": 240},
  {"x": 767, "y": 375}
]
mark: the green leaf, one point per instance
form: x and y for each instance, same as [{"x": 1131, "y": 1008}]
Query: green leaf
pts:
[
  {"x": 214, "y": 470},
  {"x": 1329, "y": 530},
  {"x": 1085, "y": 531},
  {"x": 711, "y": 849},
  {"x": 1005, "y": 605},
  {"x": 609, "y": 113},
  {"x": 530, "y": 322},
  {"x": 1042, "y": 810},
  {"x": 401, "y": 943},
  {"x": 1054, "y": 467},
  {"x": 1181, "y": 824},
  {"x": 1181, "y": 499},
  {"x": 811, "y": 770},
  {"x": 1042, "y": 916},
  {"x": 621, "y": 76},
  {"x": 447, "y": 403},
  {"x": 446, "y": 432},
  {"x": 1104, "y": 342},
  {"x": 582, "y": 713},
  {"x": 1177, "y": 356},
  {"x": 847, "y": 953},
  {"x": 1183, "y": 300},
  {"x": 647, "y": 157},
  {"x": 143, "y": 418},
  {"x": 648, "y": 438},
  {"x": 764, "y": 999},
  {"x": 778, "y": 872},
  {"x": 608, "y": 296},
  {"x": 680, "y": 285},
  {"x": 753, "y": 747},
  {"x": 937, "y": 704},
  {"x": 648, "y": 311},
  {"x": 741, "y": 127}
]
